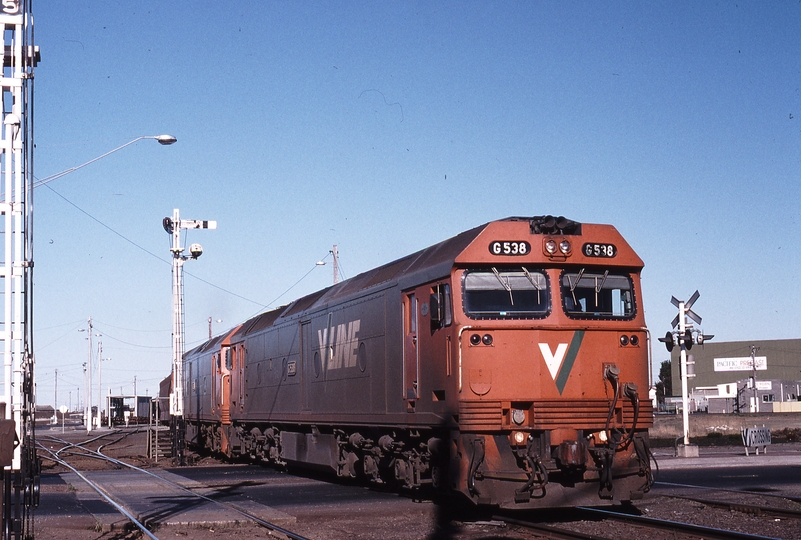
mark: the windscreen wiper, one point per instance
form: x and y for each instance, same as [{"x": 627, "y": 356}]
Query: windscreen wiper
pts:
[
  {"x": 505, "y": 285},
  {"x": 599, "y": 286},
  {"x": 533, "y": 282},
  {"x": 573, "y": 287}
]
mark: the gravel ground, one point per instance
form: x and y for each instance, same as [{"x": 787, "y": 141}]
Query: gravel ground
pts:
[{"x": 404, "y": 519}]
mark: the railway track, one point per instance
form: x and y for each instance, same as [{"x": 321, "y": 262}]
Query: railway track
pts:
[
  {"x": 712, "y": 513},
  {"x": 72, "y": 450},
  {"x": 608, "y": 523},
  {"x": 686, "y": 512}
]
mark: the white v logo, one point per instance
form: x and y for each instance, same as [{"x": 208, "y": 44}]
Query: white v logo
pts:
[{"x": 553, "y": 360}]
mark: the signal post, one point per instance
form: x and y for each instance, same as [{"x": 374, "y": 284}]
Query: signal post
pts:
[{"x": 173, "y": 226}]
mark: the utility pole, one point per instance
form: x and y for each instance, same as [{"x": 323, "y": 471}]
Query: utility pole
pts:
[
  {"x": 173, "y": 226},
  {"x": 335, "y": 253},
  {"x": 210, "y": 321},
  {"x": 755, "y": 404},
  {"x": 55, "y": 392},
  {"x": 100, "y": 398},
  {"x": 89, "y": 415}
]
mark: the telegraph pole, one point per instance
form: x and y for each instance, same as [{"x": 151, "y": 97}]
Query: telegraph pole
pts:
[
  {"x": 89, "y": 414},
  {"x": 335, "y": 253},
  {"x": 755, "y": 406},
  {"x": 173, "y": 226}
]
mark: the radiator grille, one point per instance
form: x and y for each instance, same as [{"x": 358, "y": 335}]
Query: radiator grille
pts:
[
  {"x": 550, "y": 414},
  {"x": 480, "y": 414}
]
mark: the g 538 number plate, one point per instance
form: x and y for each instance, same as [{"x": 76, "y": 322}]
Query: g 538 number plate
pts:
[
  {"x": 599, "y": 250},
  {"x": 509, "y": 247}
]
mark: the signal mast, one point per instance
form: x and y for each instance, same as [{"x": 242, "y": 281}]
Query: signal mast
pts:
[{"x": 174, "y": 226}]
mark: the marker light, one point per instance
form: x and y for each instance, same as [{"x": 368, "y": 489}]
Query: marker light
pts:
[
  {"x": 487, "y": 339},
  {"x": 624, "y": 340},
  {"x": 634, "y": 340},
  {"x": 475, "y": 339},
  {"x": 518, "y": 437}
]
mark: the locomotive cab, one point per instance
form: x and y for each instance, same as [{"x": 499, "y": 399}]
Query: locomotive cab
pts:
[{"x": 551, "y": 358}]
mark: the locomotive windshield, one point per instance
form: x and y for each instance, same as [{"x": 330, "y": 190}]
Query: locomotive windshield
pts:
[
  {"x": 505, "y": 293},
  {"x": 597, "y": 294}
]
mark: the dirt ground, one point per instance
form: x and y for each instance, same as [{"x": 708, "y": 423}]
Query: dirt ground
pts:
[{"x": 61, "y": 517}]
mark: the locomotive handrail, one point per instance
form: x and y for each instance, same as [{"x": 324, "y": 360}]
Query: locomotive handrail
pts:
[{"x": 462, "y": 329}]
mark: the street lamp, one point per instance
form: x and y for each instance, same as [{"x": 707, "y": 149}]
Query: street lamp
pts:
[
  {"x": 210, "y": 320},
  {"x": 162, "y": 139}
]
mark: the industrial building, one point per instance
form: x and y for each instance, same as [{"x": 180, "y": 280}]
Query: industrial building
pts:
[{"x": 741, "y": 376}]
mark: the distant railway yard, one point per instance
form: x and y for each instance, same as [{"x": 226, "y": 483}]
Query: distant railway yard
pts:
[{"x": 104, "y": 486}]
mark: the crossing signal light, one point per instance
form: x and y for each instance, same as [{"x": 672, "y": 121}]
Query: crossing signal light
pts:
[{"x": 668, "y": 341}]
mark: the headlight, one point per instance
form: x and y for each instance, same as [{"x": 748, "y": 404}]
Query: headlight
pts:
[
  {"x": 564, "y": 247},
  {"x": 518, "y": 438}
]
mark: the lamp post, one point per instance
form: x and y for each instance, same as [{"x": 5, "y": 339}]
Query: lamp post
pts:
[
  {"x": 335, "y": 253},
  {"x": 210, "y": 319},
  {"x": 173, "y": 227},
  {"x": 162, "y": 139}
]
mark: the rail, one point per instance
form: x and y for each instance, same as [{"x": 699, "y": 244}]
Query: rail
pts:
[
  {"x": 706, "y": 532},
  {"x": 98, "y": 454}
]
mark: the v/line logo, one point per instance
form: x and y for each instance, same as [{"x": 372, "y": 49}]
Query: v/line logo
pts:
[
  {"x": 561, "y": 361},
  {"x": 341, "y": 344}
]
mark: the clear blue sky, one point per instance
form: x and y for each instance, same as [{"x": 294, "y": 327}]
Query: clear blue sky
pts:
[{"x": 384, "y": 127}]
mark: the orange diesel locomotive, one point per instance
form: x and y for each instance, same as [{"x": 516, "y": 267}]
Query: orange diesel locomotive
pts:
[{"x": 505, "y": 363}]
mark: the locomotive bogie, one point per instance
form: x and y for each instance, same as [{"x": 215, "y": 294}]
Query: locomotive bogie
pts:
[{"x": 504, "y": 364}]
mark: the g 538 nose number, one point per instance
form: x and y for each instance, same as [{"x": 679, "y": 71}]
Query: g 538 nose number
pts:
[
  {"x": 509, "y": 247},
  {"x": 599, "y": 250}
]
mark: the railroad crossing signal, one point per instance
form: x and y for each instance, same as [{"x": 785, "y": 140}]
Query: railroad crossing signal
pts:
[
  {"x": 687, "y": 311},
  {"x": 685, "y": 335}
]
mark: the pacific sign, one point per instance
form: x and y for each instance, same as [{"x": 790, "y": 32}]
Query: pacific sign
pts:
[{"x": 744, "y": 363}]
